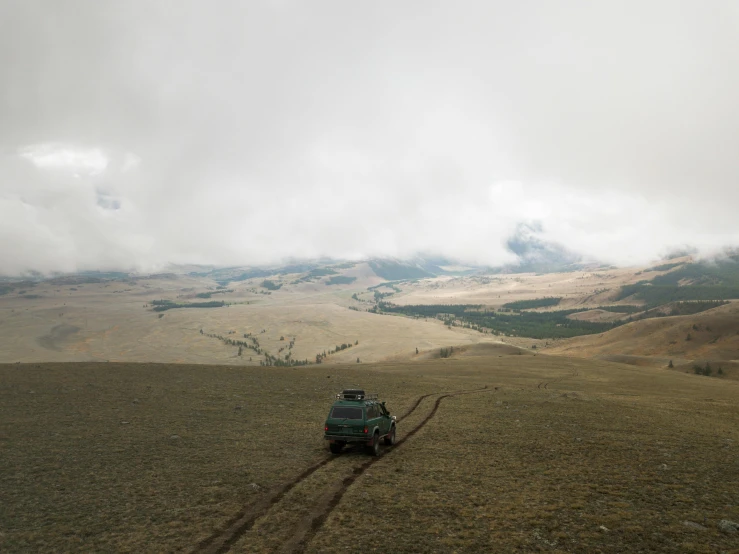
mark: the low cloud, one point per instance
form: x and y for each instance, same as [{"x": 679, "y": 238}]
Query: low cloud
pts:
[
  {"x": 65, "y": 157},
  {"x": 133, "y": 137}
]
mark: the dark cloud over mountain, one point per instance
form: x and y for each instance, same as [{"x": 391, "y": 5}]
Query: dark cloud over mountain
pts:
[{"x": 535, "y": 254}]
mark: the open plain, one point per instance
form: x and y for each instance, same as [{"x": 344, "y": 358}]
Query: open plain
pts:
[
  {"x": 63, "y": 320},
  {"x": 115, "y": 321}
]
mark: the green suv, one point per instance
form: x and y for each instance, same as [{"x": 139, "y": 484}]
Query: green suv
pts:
[{"x": 359, "y": 418}]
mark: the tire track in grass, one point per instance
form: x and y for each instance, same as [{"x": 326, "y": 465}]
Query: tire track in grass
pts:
[
  {"x": 222, "y": 540},
  {"x": 545, "y": 384},
  {"x": 305, "y": 533}
]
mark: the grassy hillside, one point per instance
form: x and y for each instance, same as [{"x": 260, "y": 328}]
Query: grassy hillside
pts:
[
  {"x": 656, "y": 295},
  {"x": 556, "y": 453},
  {"x": 716, "y": 280},
  {"x": 709, "y": 336},
  {"x": 723, "y": 271}
]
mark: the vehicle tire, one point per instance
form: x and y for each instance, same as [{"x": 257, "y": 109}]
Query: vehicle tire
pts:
[
  {"x": 335, "y": 447},
  {"x": 390, "y": 437},
  {"x": 374, "y": 448}
]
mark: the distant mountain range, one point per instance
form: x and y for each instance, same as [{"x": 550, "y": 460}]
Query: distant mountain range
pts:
[{"x": 534, "y": 255}]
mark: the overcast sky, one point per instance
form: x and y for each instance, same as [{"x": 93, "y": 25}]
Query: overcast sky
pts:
[{"x": 139, "y": 133}]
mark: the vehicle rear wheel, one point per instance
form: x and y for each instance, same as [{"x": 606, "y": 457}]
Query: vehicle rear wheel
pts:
[
  {"x": 335, "y": 447},
  {"x": 374, "y": 448},
  {"x": 390, "y": 437}
]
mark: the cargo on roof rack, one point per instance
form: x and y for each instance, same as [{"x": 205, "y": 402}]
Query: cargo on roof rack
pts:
[{"x": 355, "y": 394}]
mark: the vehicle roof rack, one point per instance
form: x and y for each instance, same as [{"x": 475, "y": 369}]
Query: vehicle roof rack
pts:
[{"x": 355, "y": 394}]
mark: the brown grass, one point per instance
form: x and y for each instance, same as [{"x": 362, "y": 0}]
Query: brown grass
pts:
[
  {"x": 711, "y": 336},
  {"x": 108, "y": 322},
  {"x": 561, "y": 448}
]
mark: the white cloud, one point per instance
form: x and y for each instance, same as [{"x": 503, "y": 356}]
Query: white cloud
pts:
[
  {"x": 130, "y": 161},
  {"x": 55, "y": 156},
  {"x": 248, "y": 133}
]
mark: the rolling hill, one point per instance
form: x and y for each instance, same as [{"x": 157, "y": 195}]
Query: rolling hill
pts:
[{"x": 711, "y": 336}]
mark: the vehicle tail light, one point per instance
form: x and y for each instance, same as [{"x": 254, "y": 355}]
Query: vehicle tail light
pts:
[
  {"x": 365, "y": 429},
  {"x": 325, "y": 428}
]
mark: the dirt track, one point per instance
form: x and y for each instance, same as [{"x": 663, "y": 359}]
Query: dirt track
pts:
[
  {"x": 545, "y": 384},
  {"x": 223, "y": 540}
]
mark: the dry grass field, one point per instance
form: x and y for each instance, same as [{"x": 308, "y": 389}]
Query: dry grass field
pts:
[
  {"x": 708, "y": 337},
  {"x": 577, "y": 289},
  {"x": 109, "y": 322},
  {"x": 498, "y": 452},
  {"x": 113, "y": 321}
]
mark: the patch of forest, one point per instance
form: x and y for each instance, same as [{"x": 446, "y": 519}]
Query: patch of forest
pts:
[
  {"x": 625, "y": 309},
  {"x": 535, "y": 303},
  {"x": 226, "y": 275},
  {"x": 164, "y": 305},
  {"x": 716, "y": 280},
  {"x": 339, "y": 347},
  {"x": 537, "y": 325},
  {"x": 271, "y": 285},
  {"x": 721, "y": 272},
  {"x": 251, "y": 342},
  {"x": 688, "y": 307},
  {"x": 314, "y": 274},
  {"x": 340, "y": 280},
  {"x": 211, "y": 293}
]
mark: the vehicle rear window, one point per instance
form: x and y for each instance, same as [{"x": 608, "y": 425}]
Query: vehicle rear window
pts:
[{"x": 345, "y": 412}]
